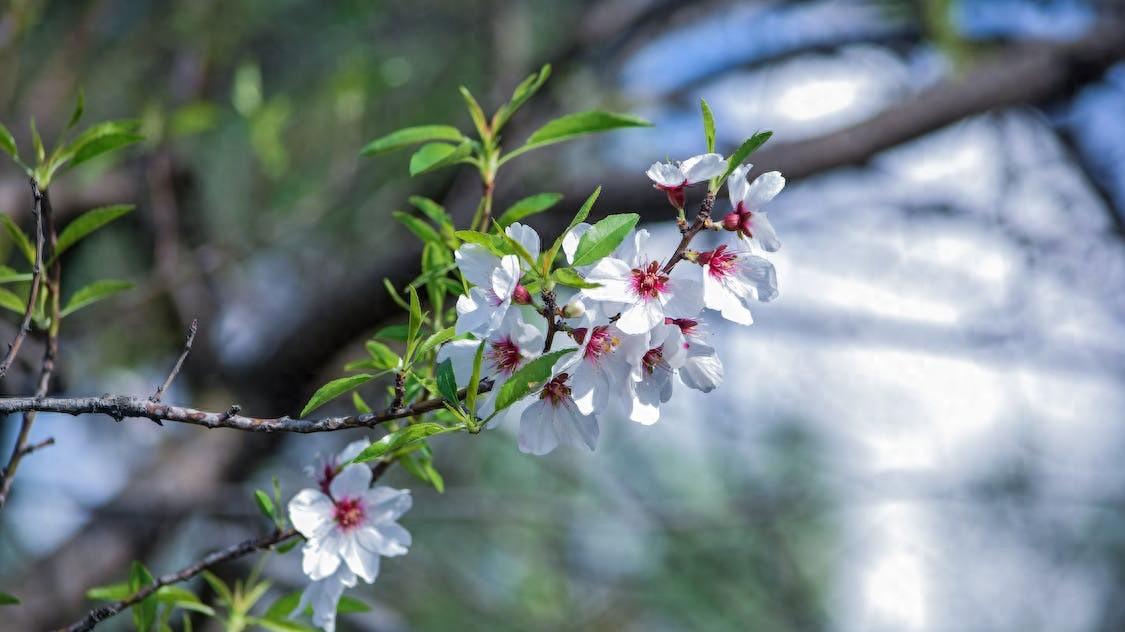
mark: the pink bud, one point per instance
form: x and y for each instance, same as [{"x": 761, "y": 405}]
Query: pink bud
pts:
[
  {"x": 731, "y": 221},
  {"x": 521, "y": 296}
]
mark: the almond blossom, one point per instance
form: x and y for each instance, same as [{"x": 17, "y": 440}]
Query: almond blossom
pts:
[
  {"x": 673, "y": 178},
  {"x": 632, "y": 283},
  {"x": 747, "y": 199},
  {"x": 556, "y": 419},
  {"x": 651, "y": 378},
  {"x": 495, "y": 280},
  {"x": 702, "y": 370},
  {"x": 600, "y": 368},
  {"x": 732, "y": 279}
]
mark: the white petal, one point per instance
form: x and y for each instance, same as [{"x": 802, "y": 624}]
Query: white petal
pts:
[
  {"x": 321, "y": 558},
  {"x": 684, "y": 296},
  {"x": 590, "y": 387},
  {"x": 674, "y": 347},
  {"x": 735, "y": 309},
  {"x": 574, "y": 428},
  {"x": 310, "y": 511},
  {"x": 537, "y": 432},
  {"x": 384, "y": 503},
  {"x": 639, "y": 318},
  {"x": 763, "y": 189},
  {"x": 526, "y": 237},
  {"x": 665, "y": 174},
  {"x": 644, "y": 403},
  {"x": 703, "y": 167},
  {"x": 737, "y": 184},
  {"x": 506, "y": 276},
  {"x": 572, "y": 238},
  {"x": 460, "y": 354},
  {"x": 323, "y": 596},
  {"x": 352, "y": 450},
  {"x": 763, "y": 232},
  {"x": 476, "y": 264},
  {"x": 474, "y": 314},
  {"x": 361, "y": 561},
  {"x": 760, "y": 274},
  {"x": 351, "y": 482},
  {"x": 389, "y": 540},
  {"x": 702, "y": 371},
  {"x": 613, "y": 275},
  {"x": 633, "y": 250}
]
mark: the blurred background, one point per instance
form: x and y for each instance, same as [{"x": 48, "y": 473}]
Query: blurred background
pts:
[{"x": 926, "y": 431}]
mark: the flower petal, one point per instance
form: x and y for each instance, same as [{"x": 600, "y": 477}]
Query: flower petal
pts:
[
  {"x": 476, "y": 315},
  {"x": 683, "y": 297},
  {"x": 506, "y": 276},
  {"x": 737, "y": 186},
  {"x": 386, "y": 503},
  {"x": 525, "y": 236},
  {"x": 310, "y": 511},
  {"x": 321, "y": 558},
  {"x": 763, "y": 189},
  {"x": 460, "y": 354},
  {"x": 665, "y": 174},
  {"x": 641, "y": 317},
  {"x": 763, "y": 232},
  {"x": 613, "y": 277},
  {"x": 703, "y": 167},
  {"x": 351, "y": 482},
  {"x": 389, "y": 539},
  {"x": 476, "y": 264},
  {"x": 361, "y": 561},
  {"x": 570, "y": 241},
  {"x": 352, "y": 450},
  {"x": 537, "y": 430},
  {"x": 574, "y": 428},
  {"x": 703, "y": 370},
  {"x": 759, "y": 274}
]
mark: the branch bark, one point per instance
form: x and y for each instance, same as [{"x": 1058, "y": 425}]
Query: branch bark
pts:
[{"x": 36, "y": 278}]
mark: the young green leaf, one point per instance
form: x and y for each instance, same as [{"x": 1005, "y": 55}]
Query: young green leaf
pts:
[
  {"x": 393, "y": 293},
  {"x": 436, "y": 339},
  {"x": 431, "y": 209},
  {"x": 94, "y": 292},
  {"x": 334, "y": 389},
  {"x": 434, "y": 156},
  {"x": 414, "y": 323},
  {"x": 524, "y": 91},
  {"x": 574, "y": 125},
  {"x": 435, "y": 477},
  {"x": 495, "y": 244},
  {"x": 522, "y": 381},
  {"x": 37, "y": 142},
  {"x": 421, "y": 229},
  {"x": 397, "y": 333},
  {"x": 20, "y": 238},
  {"x": 283, "y": 607},
  {"x": 79, "y": 108},
  {"x": 182, "y": 598},
  {"x": 360, "y": 404},
  {"x": 9, "y": 300},
  {"x": 8, "y": 275},
  {"x": 527, "y": 207},
  {"x": 101, "y": 145},
  {"x": 87, "y": 223},
  {"x": 265, "y": 504},
  {"x": 351, "y": 605},
  {"x": 382, "y": 355},
  {"x": 144, "y": 613},
  {"x": 9, "y": 600},
  {"x": 476, "y": 113},
  {"x": 411, "y": 136},
  {"x": 447, "y": 382},
  {"x": 708, "y": 125},
  {"x": 473, "y": 387},
  {"x": 400, "y": 439},
  {"x": 570, "y": 278},
  {"x": 603, "y": 237},
  {"x": 8, "y": 142},
  {"x": 219, "y": 586},
  {"x": 109, "y": 592},
  {"x": 743, "y": 152},
  {"x": 583, "y": 213}
]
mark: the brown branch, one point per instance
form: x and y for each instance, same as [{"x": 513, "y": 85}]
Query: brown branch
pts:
[
  {"x": 550, "y": 312},
  {"x": 50, "y": 352},
  {"x": 179, "y": 363},
  {"x": 241, "y": 549},
  {"x": 125, "y": 406},
  {"x": 701, "y": 222},
  {"x": 36, "y": 274}
]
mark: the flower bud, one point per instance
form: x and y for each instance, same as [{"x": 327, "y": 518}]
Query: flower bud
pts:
[
  {"x": 521, "y": 296},
  {"x": 731, "y": 221},
  {"x": 573, "y": 309}
]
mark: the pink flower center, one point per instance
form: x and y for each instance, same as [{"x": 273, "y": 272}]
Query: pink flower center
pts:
[
  {"x": 348, "y": 513},
  {"x": 719, "y": 262},
  {"x": 556, "y": 390},
  {"x": 650, "y": 282},
  {"x": 652, "y": 359},
  {"x": 327, "y": 472},
  {"x": 602, "y": 342},
  {"x": 675, "y": 193},
  {"x": 505, "y": 355},
  {"x": 743, "y": 225},
  {"x": 687, "y": 326}
]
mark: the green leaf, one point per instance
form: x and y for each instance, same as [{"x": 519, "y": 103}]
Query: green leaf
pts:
[
  {"x": 391, "y": 292},
  {"x": 79, "y": 108},
  {"x": 743, "y": 152},
  {"x": 603, "y": 237},
  {"x": 431, "y": 209},
  {"x": 398, "y": 333},
  {"x": 182, "y": 598},
  {"x": 281, "y": 625},
  {"x": 351, "y": 605},
  {"x": 473, "y": 387},
  {"x": 436, "y": 339},
  {"x": 570, "y": 278},
  {"x": 109, "y": 592},
  {"x": 434, "y": 156},
  {"x": 527, "y": 207},
  {"x": 101, "y": 145},
  {"x": 265, "y": 504},
  {"x": 411, "y": 136},
  {"x": 400, "y": 439},
  {"x": 20, "y": 238},
  {"x": 382, "y": 355},
  {"x": 414, "y": 323},
  {"x": 708, "y": 125},
  {"x": 144, "y": 613},
  {"x": 9, "y": 275},
  {"x": 524, "y": 91},
  {"x": 532, "y": 374},
  {"x": 8, "y": 142},
  {"x": 435, "y": 478},
  {"x": 219, "y": 586},
  {"x": 94, "y": 292},
  {"x": 334, "y": 389},
  {"x": 87, "y": 223},
  {"x": 37, "y": 142},
  {"x": 495, "y": 244},
  {"x": 579, "y": 217},
  {"x": 9, "y": 300},
  {"x": 476, "y": 113},
  {"x": 447, "y": 382},
  {"x": 581, "y": 123},
  {"x": 284, "y": 606},
  {"x": 360, "y": 404},
  {"x": 421, "y": 229},
  {"x": 9, "y": 600}
]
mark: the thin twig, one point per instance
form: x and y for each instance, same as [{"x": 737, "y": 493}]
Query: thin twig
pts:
[
  {"x": 36, "y": 277},
  {"x": 700, "y": 223},
  {"x": 125, "y": 406},
  {"x": 550, "y": 312},
  {"x": 179, "y": 363},
  {"x": 50, "y": 352},
  {"x": 35, "y": 447}
]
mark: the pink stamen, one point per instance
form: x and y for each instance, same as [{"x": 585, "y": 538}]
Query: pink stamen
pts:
[
  {"x": 505, "y": 355},
  {"x": 348, "y": 513},
  {"x": 556, "y": 391},
  {"x": 687, "y": 326},
  {"x": 719, "y": 262},
  {"x": 602, "y": 342},
  {"x": 652, "y": 359},
  {"x": 650, "y": 282}
]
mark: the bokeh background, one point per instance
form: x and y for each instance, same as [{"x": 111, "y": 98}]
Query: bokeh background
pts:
[{"x": 926, "y": 431}]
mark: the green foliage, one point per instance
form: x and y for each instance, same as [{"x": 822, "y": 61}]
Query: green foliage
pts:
[
  {"x": 8, "y": 142},
  {"x": 708, "y": 125},
  {"x": 411, "y": 136},
  {"x": 23, "y": 243},
  {"x": 265, "y": 505},
  {"x": 532, "y": 374},
  {"x": 447, "y": 383},
  {"x": 400, "y": 439},
  {"x": 87, "y": 223},
  {"x": 144, "y": 613},
  {"x": 570, "y": 278},
  {"x": 9, "y": 300},
  {"x": 473, "y": 388},
  {"x": 9, "y": 600},
  {"x": 527, "y": 207},
  {"x": 603, "y": 237},
  {"x": 749, "y": 146},
  {"x": 94, "y": 292},
  {"x": 524, "y": 91},
  {"x": 434, "y": 156},
  {"x": 579, "y": 217},
  {"x": 574, "y": 125},
  {"x": 334, "y": 389}
]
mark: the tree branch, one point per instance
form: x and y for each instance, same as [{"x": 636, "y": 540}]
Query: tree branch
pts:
[
  {"x": 33, "y": 293},
  {"x": 179, "y": 363}
]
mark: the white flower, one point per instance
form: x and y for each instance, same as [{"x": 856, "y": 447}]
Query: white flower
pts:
[
  {"x": 702, "y": 369},
  {"x": 350, "y": 526},
  {"x": 731, "y": 280},
  {"x": 674, "y": 178},
  {"x": 324, "y": 597},
  {"x": 651, "y": 383},
  {"x": 506, "y": 350},
  {"x": 747, "y": 217},
  {"x": 637, "y": 287},
  {"x": 600, "y": 368},
  {"x": 327, "y": 468},
  {"x": 555, "y": 419},
  {"x": 496, "y": 282}
]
